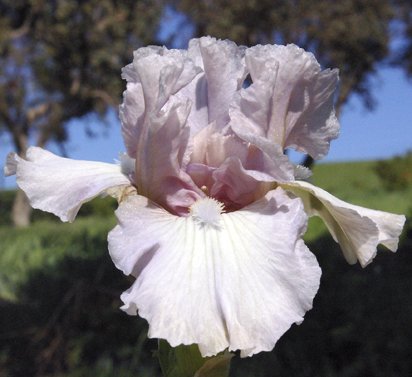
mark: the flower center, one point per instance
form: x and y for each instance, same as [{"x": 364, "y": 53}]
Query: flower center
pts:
[{"x": 207, "y": 211}]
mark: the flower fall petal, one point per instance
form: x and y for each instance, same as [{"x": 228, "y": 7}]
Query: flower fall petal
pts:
[
  {"x": 358, "y": 230},
  {"x": 234, "y": 280},
  {"x": 61, "y": 185}
]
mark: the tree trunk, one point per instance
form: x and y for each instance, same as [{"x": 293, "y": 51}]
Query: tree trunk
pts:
[{"x": 21, "y": 210}]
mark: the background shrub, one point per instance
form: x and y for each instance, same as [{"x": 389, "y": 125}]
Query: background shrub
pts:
[{"x": 396, "y": 173}]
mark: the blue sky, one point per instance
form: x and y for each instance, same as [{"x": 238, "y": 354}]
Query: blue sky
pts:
[{"x": 383, "y": 133}]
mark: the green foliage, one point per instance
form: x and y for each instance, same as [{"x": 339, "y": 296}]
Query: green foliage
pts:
[
  {"x": 396, "y": 173},
  {"x": 186, "y": 361},
  {"x": 181, "y": 361}
]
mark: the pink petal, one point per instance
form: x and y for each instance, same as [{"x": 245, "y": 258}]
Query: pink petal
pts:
[
  {"x": 225, "y": 71},
  {"x": 155, "y": 74},
  {"x": 290, "y": 101},
  {"x": 154, "y": 125},
  {"x": 159, "y": 160}
]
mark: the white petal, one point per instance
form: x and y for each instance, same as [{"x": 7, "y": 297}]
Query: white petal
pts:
[
  {"x": 239, "y": 282},
  {"x": 61, "y": 185},
  {"x": 290, "y": 101},
  {"x": 358, "y": 230}
]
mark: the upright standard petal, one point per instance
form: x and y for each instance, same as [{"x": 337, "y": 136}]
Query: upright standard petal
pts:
[
  {"x": 290, "y": 101},
  {"x": 225, "y": 71},
  {"x": 358, "y": 230},
  {"x": 234, "y": 280},
  {"x": 155, "y": 74},
  {"x": 61, "y": 185},
  {"x": 160, "y": 173},
  {"x": 154, "y": 125}
]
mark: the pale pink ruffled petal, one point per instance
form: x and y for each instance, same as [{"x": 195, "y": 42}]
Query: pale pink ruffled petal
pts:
[
  {"x": 264, "y": 155},
  {"x": 131, "y": 113},
  {"x": 236, "y": 187},
  {"x": 61, "y": 185},
  {"x": 238, "y": 283},
  {"x": 12, "y": 161},
  {"x": 225, "y": 71},
  {"x": 290, "y": 101},
  {"x": 196, "y": 93},
  {"x": 212, "y": 147},
  {"x": 155, "y": 74},
  {"x": 231, "y": 170},
  {"x": 159, "y": 160},
  {"x": 358, "y": 230},
  {"x": 162, "y": 72},
  {"x": 154, "y": 123}
]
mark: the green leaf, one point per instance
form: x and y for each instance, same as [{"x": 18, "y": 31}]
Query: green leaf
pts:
[
  {"x": 186, "y": 361},
  {"x": 217, "y": 366}
]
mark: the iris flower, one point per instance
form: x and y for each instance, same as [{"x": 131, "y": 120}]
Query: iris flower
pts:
[{"x": 211, "y": 211}]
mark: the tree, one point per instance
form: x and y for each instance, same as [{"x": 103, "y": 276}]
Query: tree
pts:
[
  {"x": 403, "y": 52},
  {"x": 352, "y": 35},
  {"x": 61, "y": 59}
]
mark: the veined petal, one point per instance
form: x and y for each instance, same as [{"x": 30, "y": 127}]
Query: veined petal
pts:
[
  {"x": 159, "y": 160},
  {"x": 264, "y": 155},
  {"x": 196, "y": 93},
  {"x": 225, "y": 71},
  {"x": 155, "y": 74},
  {"x": 234, "y": 280},
  {"x": 154, "y": 125},
  {"x": 162, "y": 72},
  {"x": 132, "y": 113},
  {"x": 290, "y": 101},
  {"x": 61, "y": 185},
  {"x": 235, "y": 186},
  {"x": 358, "y": 230}
]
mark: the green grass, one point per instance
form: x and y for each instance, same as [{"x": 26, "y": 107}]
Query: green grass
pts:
[
  {"x": 357, "y": 183},
  {"x": 45, "y": 244}
]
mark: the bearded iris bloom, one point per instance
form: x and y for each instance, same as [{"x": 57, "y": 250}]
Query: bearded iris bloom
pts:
[{"x": 211, "y": 211}]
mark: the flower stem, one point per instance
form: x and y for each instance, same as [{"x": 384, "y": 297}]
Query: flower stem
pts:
[{"x": 186, "y": 361}]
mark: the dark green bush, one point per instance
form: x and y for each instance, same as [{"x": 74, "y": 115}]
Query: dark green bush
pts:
[
  {"x": 396, "y": 173},
  {"x": 59, "y": 305}
]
